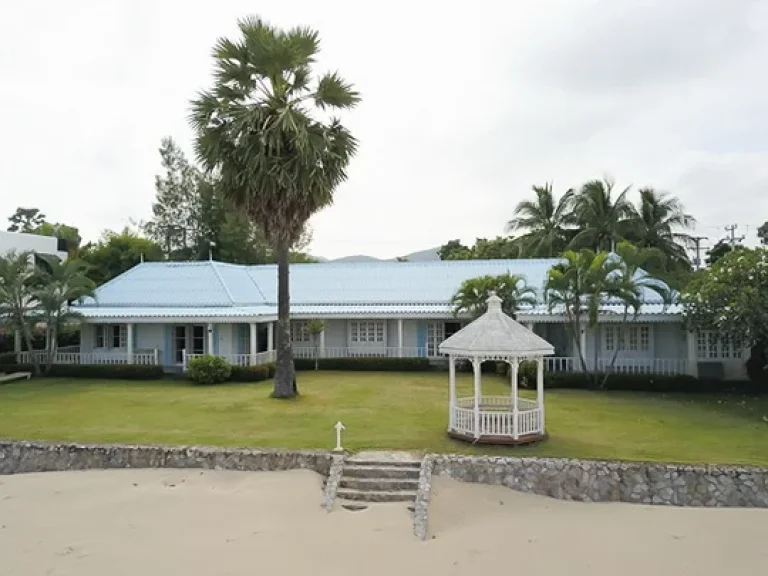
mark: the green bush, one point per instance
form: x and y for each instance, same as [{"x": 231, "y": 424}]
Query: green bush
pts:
[
  {"x": 10, "y": 368},
  {"x": 644, "y": 383},
  {"x": 106, "y": 371},
  {"x": 209, "y": 369},
  {"x": 252, "y": 373},
  {"x": 383, "y": 364},
  {"x": 7, "y": 358}
]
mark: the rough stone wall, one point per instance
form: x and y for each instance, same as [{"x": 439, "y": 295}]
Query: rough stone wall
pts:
[
  {"x": 18, "y": 457},
  {"x": 332, "y": 483},
  {"x": 421, "y": 506},
  {"x": 596, "y": 481}
]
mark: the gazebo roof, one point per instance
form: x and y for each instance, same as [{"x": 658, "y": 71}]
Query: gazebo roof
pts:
[{"x": 495, "y": 333}]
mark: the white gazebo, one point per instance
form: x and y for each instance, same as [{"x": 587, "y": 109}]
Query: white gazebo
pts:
[{"x": 496, "y": 419}]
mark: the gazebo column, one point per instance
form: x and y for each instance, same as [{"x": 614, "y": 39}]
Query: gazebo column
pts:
[
  {"x": 540, "y": 391},
  {"x": 514, "y": 364},
  {"x": 451, "y": 392},
  {"x": 476, "y": 363}
]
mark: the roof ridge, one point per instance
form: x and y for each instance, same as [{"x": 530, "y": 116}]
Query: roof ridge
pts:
[{"x": 223, "y": 284}]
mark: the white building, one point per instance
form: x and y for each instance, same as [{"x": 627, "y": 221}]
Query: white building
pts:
[{"x": 20, "y": 242}]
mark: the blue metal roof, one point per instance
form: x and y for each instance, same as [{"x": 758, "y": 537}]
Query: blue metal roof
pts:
[{"x": 200, "y": 288}]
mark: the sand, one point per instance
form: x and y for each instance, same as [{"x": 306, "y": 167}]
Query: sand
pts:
[{"x": 190, "y": 523}]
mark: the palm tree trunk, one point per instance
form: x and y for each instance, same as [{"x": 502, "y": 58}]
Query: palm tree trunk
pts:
[
  {"x": 32, "y": 357},
  {"x": 285, "y": 375}
]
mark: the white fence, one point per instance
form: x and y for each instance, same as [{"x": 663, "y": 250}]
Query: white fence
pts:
[
  {"x": 145, "y": 357},
  {"x": 659, "y": 366},
  {"x": 495, "y": 417}
]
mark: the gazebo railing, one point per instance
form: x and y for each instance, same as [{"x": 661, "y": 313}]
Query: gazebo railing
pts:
[
  {"x": 497, "y": 402},
  {"x": 495, "y": 417}
]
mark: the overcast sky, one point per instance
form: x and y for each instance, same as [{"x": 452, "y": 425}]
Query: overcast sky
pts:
[{"x": 465, "y": 106}]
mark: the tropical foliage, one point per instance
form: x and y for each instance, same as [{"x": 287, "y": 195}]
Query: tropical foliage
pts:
[
  {"x": 732, "y": 299},
  {"x": 472, "y": 294},
  {"x": 604, "y": 218},
  {"x": 262, "y": 130},
  {"x": 546, "y": 223}
]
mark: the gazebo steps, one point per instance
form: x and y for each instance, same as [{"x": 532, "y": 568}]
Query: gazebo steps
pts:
[
  {"x": 379, "y": 484},
  {"x": 356, "y": 470},
  {"x": 376, "y": 496}
]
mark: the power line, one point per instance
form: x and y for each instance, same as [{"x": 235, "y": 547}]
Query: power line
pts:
[
  {"x": 697, "y": 240},
  {"x": 733, "y": 239}
]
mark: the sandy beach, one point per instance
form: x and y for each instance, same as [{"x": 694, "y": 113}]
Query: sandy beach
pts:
[{"x": 193, "y": 523}]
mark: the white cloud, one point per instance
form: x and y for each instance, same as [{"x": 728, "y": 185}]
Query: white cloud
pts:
[{"x": 463, "y": 108}]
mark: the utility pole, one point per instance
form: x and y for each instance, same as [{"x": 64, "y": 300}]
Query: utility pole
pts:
[
  {"x": 732, "y": 230},
  {"x": 697, "y": 260}
]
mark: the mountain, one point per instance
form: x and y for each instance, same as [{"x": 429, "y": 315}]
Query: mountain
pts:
[{"x": 418, "y": 256}]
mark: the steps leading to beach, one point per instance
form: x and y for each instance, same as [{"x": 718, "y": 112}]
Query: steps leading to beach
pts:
[{"x": 379, "y": 480}]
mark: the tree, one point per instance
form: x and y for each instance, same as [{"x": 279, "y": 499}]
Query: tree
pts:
[
  {"x": 732, "y": 299},
  {"x": 472, "y": 294},
  {"x": 499, "y": 248},
  {"x": 603, "y": 220},
  {"x": 578, "y": 288},
  {"x": 56, "y": 286},
  {"x": 454, "y": 250},
  {"x": 722, "y": 248},
  {"x": 659, "y": 222},
  {"x": 762, "y": 234},
  {"x": 26, "y": 220},
  {"x": 315, "y": 328},
  {"x": 117, "y": 252},
  {"x": 278, "y": 160},
  {"x": 175, "y": 210},
  {"x": 545, "y": 221},
  {"x": 18, "y": 302},
  {"x": 69, "y": 234}
]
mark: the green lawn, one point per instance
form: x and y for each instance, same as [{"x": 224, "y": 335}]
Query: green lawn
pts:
[{"x": 381, "y": 410}]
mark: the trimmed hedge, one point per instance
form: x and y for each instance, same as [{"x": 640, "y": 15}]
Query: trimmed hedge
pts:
[
  {"x": 384, "y": 364},
  {"x": 209, "y": 369},
  {"x": 107, "y": 371},
  {"x": 11, "y": 367},
  {"x": 649, "y": 383},
  {"x": 8, "y": 358},
  {"x": 252, "y": 373}
]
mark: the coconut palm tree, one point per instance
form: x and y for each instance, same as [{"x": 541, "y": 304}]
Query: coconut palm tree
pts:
[
  {"x": 472, "y": 294},
  {"x": 57, "y": 285},
  {"x": 659, "y": 222},
  {"x": 18, "y": 302},
  {"x": 262, "y": 132},
  {"x": 604, "y": 220},
  {"x": 545, "y": 222}
]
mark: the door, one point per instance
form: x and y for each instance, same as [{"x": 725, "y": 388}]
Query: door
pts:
[
  {"x": 198, "y": 339},
  {"x": 179, "y": 343}
]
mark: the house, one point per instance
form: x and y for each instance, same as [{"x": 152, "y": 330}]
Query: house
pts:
[
  {"x": 22, "y": 242},
  {"x": 166, "y": 312}
]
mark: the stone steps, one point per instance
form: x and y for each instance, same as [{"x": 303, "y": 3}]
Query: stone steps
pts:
[{"x": 379, "y": 480}]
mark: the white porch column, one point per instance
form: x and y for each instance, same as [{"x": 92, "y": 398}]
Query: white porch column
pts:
[
  {"x": 513, "y": 385},
  {"x": 478, "y": 395},
  {"x": 129, "y": 342},
  {"x": 271, "y": 336},
  {"x": 210, "y": 338},
  {"x": 540, "y": 391},
  {"x": 253, "y": 342},
  {"x": 400, "y": 337},
  {"x": 17, "y": 341},
  {"x": 692, "y": 368},
  {"x": 451, "y": 391},
  {"x": 322, "y": 344}
]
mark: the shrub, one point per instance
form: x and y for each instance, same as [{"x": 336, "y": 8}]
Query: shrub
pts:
[
  {"x": 642, "y": 383},
  {"x": 7, "y": 358},
  {"x": 10, "y": 368},
  {"x": 382, "y": 364},
  {"x": 209, "y": 369},
  {"x": 252, "y": 373},
  {"x": 107, "y": 371}
]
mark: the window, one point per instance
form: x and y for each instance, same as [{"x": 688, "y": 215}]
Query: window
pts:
[
  {"x": 244, "y": 338},
  {"x": 180, "y": 342},
  {"x": 299, "y": 332},
  {"x": 630, "y": 338},
  {"x": 711, "y": 347},
  {"x": 366, "y": 332},
  {"x": 198, "y": 340},
  {"x": 435, "y": 336},
  {"x": 111, "y": 336}
]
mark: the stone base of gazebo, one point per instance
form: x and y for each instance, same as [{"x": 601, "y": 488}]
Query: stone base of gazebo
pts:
[{"x": 496, "y": 420}]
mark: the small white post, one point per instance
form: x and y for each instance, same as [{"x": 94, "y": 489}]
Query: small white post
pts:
[
  {"x": 253, "y": 343},
  {"x": 514, "y": 364},
  {"x": 210, "y": 339},
  {"x": 129, "y": 343},
  {"x": 156, "y": 356},
  {"x": 540, "y": 391},
  {"x": 322, "y": 344},
  {"x": 271, "y": 336},
  {"x": 339, "y": 427},
  {"x": 476, "y": 364},
  {"x": 184, "y": 360},
  {"x": 400, "y": 337},
  {"x": 451, "y": 392}
]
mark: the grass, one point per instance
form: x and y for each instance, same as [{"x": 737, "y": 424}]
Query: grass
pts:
[{"x": 381, "y": 410}]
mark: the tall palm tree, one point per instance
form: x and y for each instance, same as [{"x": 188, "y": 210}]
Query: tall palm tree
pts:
[
  {"x": 659, "y": 223},
  {"x": 57, "y": 285},
  {"x": 604, "y": 220},
  {"x": 472, "y": 294},
  {"x": 262, "y": 132},
  {"x": 545, "y": 222}
]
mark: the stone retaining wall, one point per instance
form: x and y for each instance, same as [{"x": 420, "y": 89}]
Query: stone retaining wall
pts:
[
  {"x": 19, "y": 457},
  {"x": 596, "y": 481}
]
